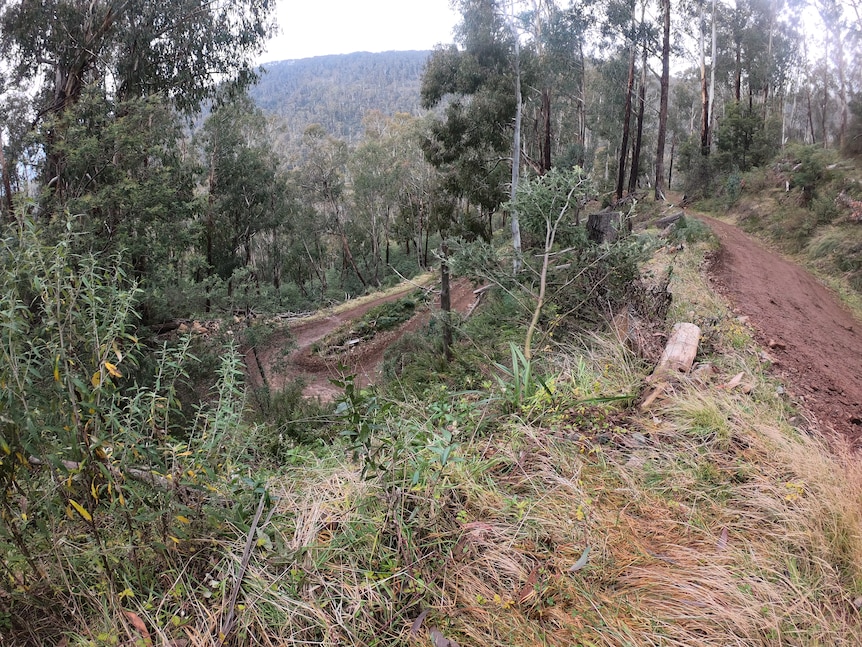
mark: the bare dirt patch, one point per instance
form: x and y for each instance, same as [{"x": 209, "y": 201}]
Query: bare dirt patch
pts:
[
  {"x": 289, "y": 356},
  {"x": 816, "y": 340}
]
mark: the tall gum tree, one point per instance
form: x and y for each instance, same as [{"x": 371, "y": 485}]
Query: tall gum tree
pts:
[
  {"x": 479, "y": 81},
  {"x": 181, "y": 49}
]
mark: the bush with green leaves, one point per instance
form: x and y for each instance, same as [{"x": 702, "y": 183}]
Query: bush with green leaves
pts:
[
  {"x": 690, "y": 230},
  {"x": 807, "y": 168},
  {"x": 89, "y": 448}
]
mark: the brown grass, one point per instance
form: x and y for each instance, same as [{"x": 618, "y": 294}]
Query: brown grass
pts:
[{"x": 714, "y": 519}]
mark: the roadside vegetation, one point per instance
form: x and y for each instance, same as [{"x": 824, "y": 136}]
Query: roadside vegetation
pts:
[
  {"x": 162, "y": 482},
  {"x": 500, "y": 500}
]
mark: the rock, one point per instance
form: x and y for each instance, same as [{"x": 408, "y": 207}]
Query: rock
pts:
[{"x": 703, "y": 373}]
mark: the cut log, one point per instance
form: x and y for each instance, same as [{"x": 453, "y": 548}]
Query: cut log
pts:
[
  {"x": 677, "y": 358},
  {"x": 604, "y": 227},
  {"x": 661, "y": 223},
  {"x": 680, "y": 351}
]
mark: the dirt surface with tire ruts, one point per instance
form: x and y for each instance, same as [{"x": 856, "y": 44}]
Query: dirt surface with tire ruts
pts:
[
  {"x": 814, "y": 338},
  {"x": 291, "y": 356}
]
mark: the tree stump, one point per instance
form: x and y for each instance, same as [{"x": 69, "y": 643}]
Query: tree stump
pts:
[{"x": 604, "y": 227}]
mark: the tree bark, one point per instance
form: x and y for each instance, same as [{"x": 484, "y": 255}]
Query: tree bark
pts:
[
  {"x": 445, "y": 300},
  {"x": 662, "y": 112},
  {"x": 546, "y": 130},
  {"x": 704, "y": 93},
  {"x": 516, "y": 158},
  {"x": 7, "y": 184},
  {"x": 713, "y": 56},
  {"x": 627, "y": 114},
  {"x": 636, "y": 153}
]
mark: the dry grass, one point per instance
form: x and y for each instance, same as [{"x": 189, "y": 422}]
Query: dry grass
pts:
[{"x": 711, "y": 520}]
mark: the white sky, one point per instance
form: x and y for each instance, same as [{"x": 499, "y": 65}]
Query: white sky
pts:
[{"x": 318, "y": 27}]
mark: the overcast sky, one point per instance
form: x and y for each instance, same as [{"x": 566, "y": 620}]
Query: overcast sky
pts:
[{"x": 318, "y": 27}]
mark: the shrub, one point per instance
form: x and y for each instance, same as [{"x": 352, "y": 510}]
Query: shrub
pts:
[{"x": 84, "y": 450}]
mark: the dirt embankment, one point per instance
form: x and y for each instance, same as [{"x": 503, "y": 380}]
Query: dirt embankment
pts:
[
  {"x": 816, "y": 340},
  {"x": 290, "y": 356}
]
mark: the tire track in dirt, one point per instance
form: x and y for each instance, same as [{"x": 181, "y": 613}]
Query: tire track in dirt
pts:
[
  {"x": 815, "y": 338},
  {"x": 288, "y": 356}
]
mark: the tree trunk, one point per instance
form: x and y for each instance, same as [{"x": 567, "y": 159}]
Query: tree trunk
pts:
[
  {"x": 582, "y": 107},
  {"x": 348, "y": 256},
  {"x": 7, "y": 184},
  {"x": 662, "y": 112},
  {"x": 842, "y": 89},
  {"x": 825, "y": 103},
  {"x": 516, "y": 158},
  {"x": 445, "y": 300},
  {"x": 704, "y": 93},
  {"x": 636, "y": 153},
  {"x": 670, "y": 166},
  {"x": 810, "y": 116},
  {"x": 627, "y": 114},
  {"x": 546, "y": 130},
  {"x": 713, "y": 56}
]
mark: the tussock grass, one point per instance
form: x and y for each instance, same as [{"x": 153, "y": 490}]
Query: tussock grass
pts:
[{"x": 713, "y": 519}]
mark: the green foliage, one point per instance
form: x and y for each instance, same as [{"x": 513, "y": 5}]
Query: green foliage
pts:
[
  {"x": 853, "y": 141},
  {"x": 699, "y": 169},
  {"x": 549, "y": 205},
  {"x": 286, "y": 418},
  {"x": 387, "y": 448},
  {"x": 690, "y": 230},
  {"x": 86, "y": 448},
  {"x": 180, "y": 50},
  {"x": 124, "y": 179},
  {"x": 807, "y": 169},
  {"x": 744, "y": 140},
  {"x": 519, "y": 383},
  {"x": 477, "y": 81}
]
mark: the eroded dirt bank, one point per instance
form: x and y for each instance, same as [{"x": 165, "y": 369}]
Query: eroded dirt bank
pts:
[{"x": 816, "y": 340}]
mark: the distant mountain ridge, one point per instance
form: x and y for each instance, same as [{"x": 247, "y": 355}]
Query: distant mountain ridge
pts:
[{"x": 336, "y": 91}]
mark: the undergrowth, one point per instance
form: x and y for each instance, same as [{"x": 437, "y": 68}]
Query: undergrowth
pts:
[
  {"x": 808, "y": 204},
  {"x": 536, "y": 504}
]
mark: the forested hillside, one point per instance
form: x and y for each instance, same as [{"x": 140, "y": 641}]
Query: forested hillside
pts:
[
  {"x": 337, "y": 91},
  {"x": 176, "y": 241}
]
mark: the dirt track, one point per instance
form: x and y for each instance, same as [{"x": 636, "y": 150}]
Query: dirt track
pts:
[
  {"x": 817, "y": 342},
  {"x": 364, "y": 359}
]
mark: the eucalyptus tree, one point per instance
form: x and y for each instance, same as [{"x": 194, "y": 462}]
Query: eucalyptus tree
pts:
[
  {"x": 246, "y": 195},
  {"x": 322, "y": 177},
  {"x": 663, "y": 101},
  {"x": 182, "y": 50},
  {"x": 479, "y": 85}
]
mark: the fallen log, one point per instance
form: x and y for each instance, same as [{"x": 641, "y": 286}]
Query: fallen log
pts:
[
  {"x": 679, "y": 352},
  {"x": 661, "y": 223},
  {"x": 677, "y": 358}
]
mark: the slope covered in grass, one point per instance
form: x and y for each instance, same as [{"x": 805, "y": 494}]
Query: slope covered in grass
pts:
[{"x": 492, "y": 505}]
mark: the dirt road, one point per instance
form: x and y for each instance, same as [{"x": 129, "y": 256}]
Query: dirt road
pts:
[
  {"x": 816, "y": 340},
  {"x": 287, "y": 357}
]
